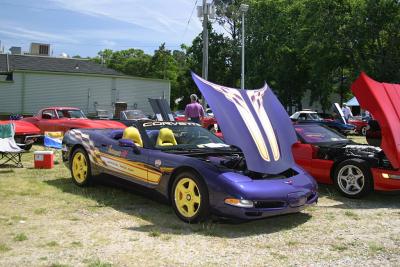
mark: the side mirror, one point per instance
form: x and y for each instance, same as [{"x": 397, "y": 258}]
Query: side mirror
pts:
[{"x": 129, "y": 143}]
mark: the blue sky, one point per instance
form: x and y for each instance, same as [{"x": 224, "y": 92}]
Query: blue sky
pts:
[{"x": 84, "y": 27}]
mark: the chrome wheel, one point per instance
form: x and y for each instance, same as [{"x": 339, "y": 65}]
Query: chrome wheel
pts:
[
  {"x": 351, "y": 179},
  {"x": 364, "y": 131}
]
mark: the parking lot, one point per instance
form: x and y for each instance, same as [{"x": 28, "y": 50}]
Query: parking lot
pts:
[{"x": 45, "y": 220}]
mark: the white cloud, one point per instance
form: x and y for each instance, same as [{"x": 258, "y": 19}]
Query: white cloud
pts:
[
  {"x": 14, "y": 30},
  {"x": 164, "y": 17}
]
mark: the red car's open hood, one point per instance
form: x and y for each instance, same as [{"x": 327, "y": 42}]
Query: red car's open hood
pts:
[{"x": 382, "y": 100}]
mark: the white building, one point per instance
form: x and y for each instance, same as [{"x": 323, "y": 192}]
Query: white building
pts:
[{"x": 29, "y": 83}]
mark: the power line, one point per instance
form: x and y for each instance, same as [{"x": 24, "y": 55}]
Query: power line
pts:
[{"x": 190, "y": 18}]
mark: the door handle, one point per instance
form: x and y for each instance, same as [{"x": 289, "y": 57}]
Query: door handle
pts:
[{"x": 103, "y": 145}]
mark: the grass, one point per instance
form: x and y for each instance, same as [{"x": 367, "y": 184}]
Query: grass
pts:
[
  {"x": 20, "y": 237},
  {"x": 4, "y": 248},
  {"x": 76, "y": 244},
  {"x": 40, "y": 211},
  {"x": 375, "y": 248},
  {"x": 98, "y": 263},
  {"x": 119, "y": 225},
  {"x": 352, "y": 215},
  {"x": 339, "y": 247},
  {"x": 154, "y": 233},
  {"x": 52, "y": 244}
]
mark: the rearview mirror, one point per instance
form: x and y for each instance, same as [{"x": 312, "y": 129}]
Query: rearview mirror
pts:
[{"x": 129, "y": 143}]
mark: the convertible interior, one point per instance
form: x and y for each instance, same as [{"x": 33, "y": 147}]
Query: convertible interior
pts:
[{"x": 163, "y": 137}]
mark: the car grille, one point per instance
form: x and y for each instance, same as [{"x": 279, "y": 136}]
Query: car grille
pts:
[{"x": 269, "y": 204}]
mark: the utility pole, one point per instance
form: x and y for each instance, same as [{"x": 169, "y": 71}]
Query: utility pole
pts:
[
  {"x": 243, "y": 9},
  {"x": 203, "y": 12},
  {"x": 205, "y": 40}
]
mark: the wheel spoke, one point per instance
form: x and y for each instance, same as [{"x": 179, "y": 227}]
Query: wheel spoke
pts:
[
  {"x": 358, "y": 176},
  {"x": 348, "y": 186},
  {"x": 357, "y": 186},
  {"x": 196, "y": 199},
  {"x": 191, "y": 186}
]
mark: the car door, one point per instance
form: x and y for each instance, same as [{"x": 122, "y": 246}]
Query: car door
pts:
[
  {"x": 48, "y": 120},
  {"x": 127, "y": 162}
]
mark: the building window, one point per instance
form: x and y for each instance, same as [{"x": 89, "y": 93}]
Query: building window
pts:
[
  {"x": 43, "y": 49},
  {"x": 6, "y": 77}
]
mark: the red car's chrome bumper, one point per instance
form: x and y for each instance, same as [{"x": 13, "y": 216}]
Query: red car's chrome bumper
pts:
[{"x": 385, "y": 180}]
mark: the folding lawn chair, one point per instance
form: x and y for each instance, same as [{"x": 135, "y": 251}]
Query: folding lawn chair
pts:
[{"x": 10, "y": 152}]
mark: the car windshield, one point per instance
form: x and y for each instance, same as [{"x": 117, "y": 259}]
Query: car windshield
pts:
[
  {"x": 71, "y": 113},
  {"x": 181, "y": 136},
  {"x": 134, "y": 114},
  {"x": 312, "y": 134},
  {"x": 314, "y": 116}
]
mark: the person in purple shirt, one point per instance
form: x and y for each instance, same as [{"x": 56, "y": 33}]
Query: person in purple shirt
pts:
[{"x": 194, "y": 111}]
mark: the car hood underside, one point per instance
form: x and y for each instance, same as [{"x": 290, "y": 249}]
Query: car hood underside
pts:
[{"x": 382, "y": 100}]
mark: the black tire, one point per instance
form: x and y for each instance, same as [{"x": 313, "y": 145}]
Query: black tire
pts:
[
  {"x": 202, "y": 210},
  {"x": 353, "y": 178},
  {"x": 81, "y": 181},
  {"x": 27, "y": 147}
]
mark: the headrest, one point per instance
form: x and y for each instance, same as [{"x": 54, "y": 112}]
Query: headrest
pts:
[
  {"x": 166, "y": 138},
  {"x": 133, "y": 134}
]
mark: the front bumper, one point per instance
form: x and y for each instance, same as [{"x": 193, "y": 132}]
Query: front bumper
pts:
[
  {"x": 269, "y": 208},
  {"x": 386, "y": 184}
]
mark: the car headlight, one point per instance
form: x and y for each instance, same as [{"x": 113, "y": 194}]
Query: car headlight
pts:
[
  {"x": 390, "y": 176},
  {"x": 243, "y": 203}
]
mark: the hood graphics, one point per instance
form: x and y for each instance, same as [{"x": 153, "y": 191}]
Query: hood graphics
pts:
[{"x": 255, "y": 121}]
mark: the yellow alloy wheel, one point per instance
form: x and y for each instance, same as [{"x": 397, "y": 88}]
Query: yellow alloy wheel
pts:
[
  {"x": 187, "y": 197},
  {"x": 79, "y": 167}
]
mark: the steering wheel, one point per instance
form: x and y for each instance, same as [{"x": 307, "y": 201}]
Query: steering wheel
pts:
[{"x": 199, "y": 140}]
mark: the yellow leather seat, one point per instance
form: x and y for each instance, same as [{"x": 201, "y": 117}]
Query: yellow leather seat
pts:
[
  {"x": 166, "y": 138},
  {"x": 133, "y": 134}
]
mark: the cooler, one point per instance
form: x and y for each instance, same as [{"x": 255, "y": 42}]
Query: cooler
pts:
[{"x": 43, "y": 159}]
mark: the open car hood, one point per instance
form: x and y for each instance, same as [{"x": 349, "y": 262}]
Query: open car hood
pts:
[
  {"x": 339, "y": 111},
  {"x": 256, "y": 122},
  {"x": 382, "y": 100}
]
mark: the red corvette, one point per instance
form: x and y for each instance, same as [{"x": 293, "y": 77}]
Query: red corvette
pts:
[
  {"x": 25, "y": 133},
  {"x": 66, "y": 118},
  {"x": 356, "y": 169},
  {"x": 207, "y": 122},
  {"x": 361, "y": 126}
]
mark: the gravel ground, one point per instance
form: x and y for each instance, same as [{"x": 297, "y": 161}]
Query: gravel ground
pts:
[{"x": 45, "y": 220}]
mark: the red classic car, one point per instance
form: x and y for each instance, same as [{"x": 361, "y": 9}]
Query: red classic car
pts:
[
  {"x": 66, "y": 118},
  {"x": 361, "y": 125},
  {"x": 25, "y": 133},
  {"x": 356, "y": 169}
]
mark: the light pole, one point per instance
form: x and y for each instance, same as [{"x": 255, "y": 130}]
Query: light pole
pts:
[{"x": 243, "y": 9}]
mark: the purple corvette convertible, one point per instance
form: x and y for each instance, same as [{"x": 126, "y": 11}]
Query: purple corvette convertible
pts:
[{"x": 253, "y": 177}]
